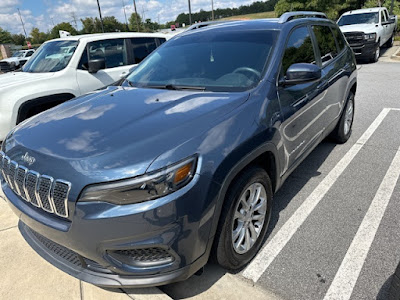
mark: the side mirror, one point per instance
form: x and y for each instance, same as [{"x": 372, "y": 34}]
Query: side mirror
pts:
[
  {"x": 96, "y": 65},
  {"x": 301, "y": 73}
]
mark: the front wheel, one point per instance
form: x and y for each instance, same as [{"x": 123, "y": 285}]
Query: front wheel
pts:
[
  {"x": 343, "y": 129},
  {"x": 375, "y": 56},
  {"x": 244, "y": 219},
  {"x": 390, "y": 42}
]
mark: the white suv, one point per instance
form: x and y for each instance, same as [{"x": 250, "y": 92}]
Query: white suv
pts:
[{"x": 65, "y": 68}]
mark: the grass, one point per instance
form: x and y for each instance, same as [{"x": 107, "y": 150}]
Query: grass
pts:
[{"x": 262, "y": 15}]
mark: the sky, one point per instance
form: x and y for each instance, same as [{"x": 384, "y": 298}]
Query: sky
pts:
[{"x": 43, "y": 13}]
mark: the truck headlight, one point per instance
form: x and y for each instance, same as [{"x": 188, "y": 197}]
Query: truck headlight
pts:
[
  {"x": 370, "y": 36},
  {"x": 143, "y": 188}
]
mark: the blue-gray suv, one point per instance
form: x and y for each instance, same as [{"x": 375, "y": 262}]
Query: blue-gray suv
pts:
[{"x": 140, "y": 184}]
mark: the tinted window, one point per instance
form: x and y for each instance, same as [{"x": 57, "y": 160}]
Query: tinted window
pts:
[
  {"x": 383, "y": 17},
  {"x": 113, "y": 51},
  {"x": 226, "y": 60},
  {"x": 142, "y": 47},
  {"x": 339, "y": 37},
  {"x": 326, "y": 43},
  {"x": 161, "y": 40},
  {"x": 299, "y": 49},
  {"x": 29, "y": 54},
  {"x": 386, "y": 15},
  {"x": 83, "y": 63}
]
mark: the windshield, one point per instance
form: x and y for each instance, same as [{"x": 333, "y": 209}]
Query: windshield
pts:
[
  {"x": 51, "y": 57},
  {"x": 367, "y": 18},
  {"x": 214, "y": 60},
  {"x": 18, "y": 54}
]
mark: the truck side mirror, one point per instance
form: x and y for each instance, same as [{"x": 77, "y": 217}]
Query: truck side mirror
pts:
[{"x": 96, "y": 65}]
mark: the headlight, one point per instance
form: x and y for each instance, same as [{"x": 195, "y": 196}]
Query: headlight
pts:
[
  {"x": 370, "y": 36},
  {"x": 143, "y": 188}
]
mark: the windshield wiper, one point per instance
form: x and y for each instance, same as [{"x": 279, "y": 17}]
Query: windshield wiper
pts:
[{"x": 175, "y": 87}]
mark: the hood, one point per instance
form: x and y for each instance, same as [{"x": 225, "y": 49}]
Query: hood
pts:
[
  {"x": 11, "y": 59},
  {"x": 116, "y": 133},
  {"x": 16, "y": 79},
  {"x": 366, "y": 28}
]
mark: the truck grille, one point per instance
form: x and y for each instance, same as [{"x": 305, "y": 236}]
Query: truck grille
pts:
[
  {"x": 355, "y": 39},
  {"x": 4, "y": 66},
  {"x": 40, "y": 190}
]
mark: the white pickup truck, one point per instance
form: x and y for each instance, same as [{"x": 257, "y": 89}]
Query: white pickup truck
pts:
[
  {"x": 65, "y": 68},
  {"x": 367, "y": 30},
  {"x": 16, "y": 61}
]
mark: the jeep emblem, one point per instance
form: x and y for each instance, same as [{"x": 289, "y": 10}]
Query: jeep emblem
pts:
[{"x": 28, "y": 159}]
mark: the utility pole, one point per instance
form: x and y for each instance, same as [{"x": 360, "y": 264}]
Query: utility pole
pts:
[
  {"x": 136, "y": 15},
  {"x": 73, "y": 15},
  {"x": 126, "y": 20},
  {"x": 52, "y": 21},
  {"x": 23, "y": 26},
  {"x": 212, "y": 9},
  {"x": 101, "y": 18},
  {"x": 190, "y": 13}
]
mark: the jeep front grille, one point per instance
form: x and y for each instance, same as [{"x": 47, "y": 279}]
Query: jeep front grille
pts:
[{"x": 40, "y": 190}]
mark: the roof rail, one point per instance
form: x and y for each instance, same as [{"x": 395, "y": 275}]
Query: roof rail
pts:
[
  {"x": 288, "y": 16},
  {"x": 208, "y": 23}
]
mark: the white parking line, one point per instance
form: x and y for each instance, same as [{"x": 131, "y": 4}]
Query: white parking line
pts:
[
  {"x": 347, "y": 275},
  {"x": 271, "y": 250}
]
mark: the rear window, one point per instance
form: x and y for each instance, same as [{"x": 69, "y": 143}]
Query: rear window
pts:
[
  {"x": 339, "y": 38},
  {"x": 326, "y": 43},
  {"x": 142, "y": 47}
]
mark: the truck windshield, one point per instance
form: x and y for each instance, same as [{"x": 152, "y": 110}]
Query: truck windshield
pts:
[
  {"x": 18, "y": 54},
  {"x": 367, "y": 18},
  {"x": 212, "y": 60},
  {"x": 51, "y": 57}
]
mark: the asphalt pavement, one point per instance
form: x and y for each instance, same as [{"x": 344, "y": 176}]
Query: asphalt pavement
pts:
[{"x": 334, "y": 232}]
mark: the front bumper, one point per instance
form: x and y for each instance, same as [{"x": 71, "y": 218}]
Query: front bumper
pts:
[
  {"x": 85, "y": 246},
  {"x": 364, "y": 51}
]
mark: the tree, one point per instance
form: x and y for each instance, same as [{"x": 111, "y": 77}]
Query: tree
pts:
[
  {"x": 18, "y": 39},
  {"x": 37, "y": 36},
  {"x": 111, "y": 24},
  {"x": 333, "y": 8},
  {"x": 5, "y": 37},
  {"x": 133, "y": 26},
  {"x": 54, "y": 33}
]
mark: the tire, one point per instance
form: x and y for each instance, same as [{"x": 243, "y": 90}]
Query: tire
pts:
[
  {"x": 390, "y": 42},
  {"x": 12, "y": 66},
  {"x": 375, "y": 57},
  {"x": 228, "y": 251},
  {"x": 343, "y": 129}
]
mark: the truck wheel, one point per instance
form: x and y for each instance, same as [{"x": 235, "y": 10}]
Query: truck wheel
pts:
[
  {"x": 12, "y": 66},
  {"x": 390, "y": 42},
  {"x": 244, "y": 219},
  {"x": 376, "y": 54},
  {"x": 343, "y": 129}
]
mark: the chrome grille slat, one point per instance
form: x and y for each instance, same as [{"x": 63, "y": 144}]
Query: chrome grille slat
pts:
[
  {"x": 60, "y": 197},
  {"x": 31, "y": 181},
  {"x": 41, "y": 191},
  {"x": 20, "y": 181}
]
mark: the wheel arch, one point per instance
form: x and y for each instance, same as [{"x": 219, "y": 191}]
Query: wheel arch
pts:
[{"x": 36, "y": 105}]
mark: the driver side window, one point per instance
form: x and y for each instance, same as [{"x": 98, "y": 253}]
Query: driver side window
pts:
[{"x": 299, "y": 49}]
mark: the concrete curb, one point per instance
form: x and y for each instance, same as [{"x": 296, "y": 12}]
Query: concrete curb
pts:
[{"x": 396, "y": 56}]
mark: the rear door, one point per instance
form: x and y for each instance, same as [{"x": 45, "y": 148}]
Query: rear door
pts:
[
  {"x": 333, "y": 75},
  {"x": 299, "y": 102}
]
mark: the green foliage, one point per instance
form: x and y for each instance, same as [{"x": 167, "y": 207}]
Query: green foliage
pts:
[
  {"x": 5, "y": 37},
  {"x": 333, "y": 8},
  {"x": 202, "y": 15},
  {"x": 385, "y": 3},
  {"x": 38, "y": 37},
  {"x": 133, "y": 26},
  {"x": 54, "y": 33},
  {"x": 18, "y": 39}
]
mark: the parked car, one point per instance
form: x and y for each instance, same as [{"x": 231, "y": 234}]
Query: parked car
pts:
[
  {"x": 367, "y": 30},
  {"x": 16, "y": 61},
  {"x": 137, "y": 185},
  {"x": 64, "y": 68}
]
